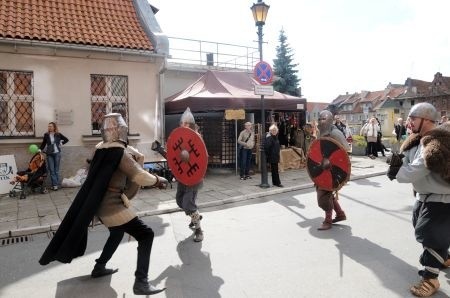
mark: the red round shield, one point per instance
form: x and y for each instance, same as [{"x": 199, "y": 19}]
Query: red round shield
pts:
[
  {"x": 328, "y": 164},
  {"x": 187, "y": 155}
]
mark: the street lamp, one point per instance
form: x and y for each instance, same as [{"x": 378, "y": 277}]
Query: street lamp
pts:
[{"x": 259, "y": 11}]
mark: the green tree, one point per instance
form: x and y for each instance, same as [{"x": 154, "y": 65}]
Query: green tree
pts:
[{"x": 286, "y": 79}]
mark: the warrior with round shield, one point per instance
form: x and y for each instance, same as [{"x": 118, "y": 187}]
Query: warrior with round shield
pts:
[
  {"x": 188, "y": 159},
  {"x": 329, "y": 167}
]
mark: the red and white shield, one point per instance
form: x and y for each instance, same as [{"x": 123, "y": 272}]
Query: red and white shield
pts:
[
  {"x": 187, "y": 155},
  {"x": 328, "y": 164}
]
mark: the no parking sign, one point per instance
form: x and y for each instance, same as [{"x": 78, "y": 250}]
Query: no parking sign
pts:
[{"x": 263, "y": 73}]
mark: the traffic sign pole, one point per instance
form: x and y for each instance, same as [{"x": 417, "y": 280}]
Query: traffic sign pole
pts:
[{"x": 264, "y": 75}]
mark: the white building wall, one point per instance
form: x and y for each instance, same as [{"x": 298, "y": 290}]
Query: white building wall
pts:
[{"x": 62, "y": 83}]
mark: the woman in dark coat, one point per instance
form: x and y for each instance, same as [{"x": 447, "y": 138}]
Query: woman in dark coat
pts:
[
  {"x": 52, "y": 142},
  {"x": 272, "y": 150}
]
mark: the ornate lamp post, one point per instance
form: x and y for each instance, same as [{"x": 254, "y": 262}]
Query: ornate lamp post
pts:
[{"x": 260, "y": 10}]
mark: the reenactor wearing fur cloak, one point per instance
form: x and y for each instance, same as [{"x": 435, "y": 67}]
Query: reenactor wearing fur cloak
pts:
[{"x": 425, "y": 162}]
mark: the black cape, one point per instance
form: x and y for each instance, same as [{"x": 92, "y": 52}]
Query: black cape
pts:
[{"x": 70, "y": 239}]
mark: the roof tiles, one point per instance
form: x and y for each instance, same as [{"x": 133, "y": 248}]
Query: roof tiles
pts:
[{"x": 109, "y": 23}]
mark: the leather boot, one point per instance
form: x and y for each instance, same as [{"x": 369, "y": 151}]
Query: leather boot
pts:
[
  {"x": 339, "y": 217},
  {"x": 198, "y": 235},
  {"x": 100, "y": 270},
  {"x": 325, "y": 226},
  {"x": 142, "y": 287}
]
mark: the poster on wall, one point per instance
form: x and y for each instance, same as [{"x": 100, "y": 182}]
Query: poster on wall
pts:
[{"x": 8, "y": 170}]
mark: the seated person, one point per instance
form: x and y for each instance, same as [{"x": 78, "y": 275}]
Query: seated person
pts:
[{"x": 36, "y": 168}]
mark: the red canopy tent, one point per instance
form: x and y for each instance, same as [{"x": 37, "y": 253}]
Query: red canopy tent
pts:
[
  {"x": 221, "y": 90},
  {"x": 217, "y": 91}
]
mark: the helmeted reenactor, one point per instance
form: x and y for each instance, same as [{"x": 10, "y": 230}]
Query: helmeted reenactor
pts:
[
  {"x": 425, "y": 164},
  {"x": 114, "y": 177}
]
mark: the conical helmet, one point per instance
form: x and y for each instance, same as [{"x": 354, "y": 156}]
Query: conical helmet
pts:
[{"x": 188, "y": 118}]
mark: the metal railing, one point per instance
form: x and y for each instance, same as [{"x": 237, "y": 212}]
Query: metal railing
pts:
[{"x": 216, "y": 55}]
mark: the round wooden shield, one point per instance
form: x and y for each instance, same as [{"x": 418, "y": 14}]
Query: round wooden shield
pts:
[
  {"x": 328, "y": 164},
  {"x": 187, "y": 156}
]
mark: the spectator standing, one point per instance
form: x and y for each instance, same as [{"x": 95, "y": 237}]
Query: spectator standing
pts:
[
  {"x": 380, "y": 146},
  {"x": 51, "y": 145},
  {"x": 341, "y": 126},
  {"x": 272, "y": 149},
  {"x": 246, "y": 142},
  {"x": 371, "y": 132},
  {"x": 348, "y": 134},
  {"x": 400, "y": 134},
  {"x": 363, "y": 132}
]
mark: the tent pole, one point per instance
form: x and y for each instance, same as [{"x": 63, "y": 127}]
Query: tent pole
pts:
[{"x": 235, "y": 141}]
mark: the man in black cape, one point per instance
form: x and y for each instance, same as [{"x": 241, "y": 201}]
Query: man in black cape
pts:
[{"x": 104, "y": 194}]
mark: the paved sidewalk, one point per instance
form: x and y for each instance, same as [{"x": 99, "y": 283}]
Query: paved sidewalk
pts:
[{"x": 40, "y": 213}]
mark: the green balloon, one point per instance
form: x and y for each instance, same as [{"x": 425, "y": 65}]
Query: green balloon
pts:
[{"x": 33, "y": 149}]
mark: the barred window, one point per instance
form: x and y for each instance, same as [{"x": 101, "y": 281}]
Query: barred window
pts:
[
  {"x": 16, "y": 103},
  {"x": 109, "y": 94}
]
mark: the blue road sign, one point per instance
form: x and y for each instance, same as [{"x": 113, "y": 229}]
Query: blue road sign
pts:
[{"x": 263, "y": 73}]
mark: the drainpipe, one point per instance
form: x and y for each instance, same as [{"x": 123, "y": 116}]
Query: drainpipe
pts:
[
  {"x": 161, "y": 103},
  {"x": 160, "y": 42}
]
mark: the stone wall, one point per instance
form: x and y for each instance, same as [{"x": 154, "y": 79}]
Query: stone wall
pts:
[{"x": 72, "y": 158}]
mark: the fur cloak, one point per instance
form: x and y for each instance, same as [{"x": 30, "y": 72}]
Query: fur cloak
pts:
[{"x": 436, "y": 149}]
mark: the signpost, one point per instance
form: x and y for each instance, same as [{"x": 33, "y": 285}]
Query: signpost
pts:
[
  {"x": 235, "y": 114},
  {"x": 263, "y": 73},
  {"x": 263, "y": 90}
]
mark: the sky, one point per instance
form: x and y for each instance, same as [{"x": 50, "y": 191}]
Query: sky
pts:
[{"x": 340, "y": 46}]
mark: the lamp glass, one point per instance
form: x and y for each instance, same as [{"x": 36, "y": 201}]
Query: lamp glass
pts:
[{"x": 260, "y": 10}]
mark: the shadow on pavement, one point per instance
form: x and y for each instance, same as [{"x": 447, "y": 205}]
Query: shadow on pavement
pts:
[
  {"x": 29, "y": 253},
  {"x": 383, "y": 210},
  {"x": 85, "y": 286},
  {"x": 394, "y": 273},
  {"x": 367, "y": 182},
  {"x": 194, "y": 277}
]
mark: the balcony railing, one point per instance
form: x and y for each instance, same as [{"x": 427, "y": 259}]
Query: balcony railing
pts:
[{"x": 199, "y": 53}]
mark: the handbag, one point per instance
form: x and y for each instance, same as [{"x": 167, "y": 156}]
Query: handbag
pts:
[{"x": 241, "y": 146}]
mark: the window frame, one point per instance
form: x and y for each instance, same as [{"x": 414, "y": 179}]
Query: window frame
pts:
[
  {"x": 109, "y": 99},
  {"x": 12, "y": 99}
]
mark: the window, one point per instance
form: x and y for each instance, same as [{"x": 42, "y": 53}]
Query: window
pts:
[
  {"x": 16, "y": 103},
  {"x": 109, "y": 94}
]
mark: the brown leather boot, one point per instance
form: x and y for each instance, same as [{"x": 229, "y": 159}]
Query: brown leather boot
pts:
[
  {"x": 425, "y": 288},
  {"x": 325, "y": 226},
  {"x": 339, "y": 218}
]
